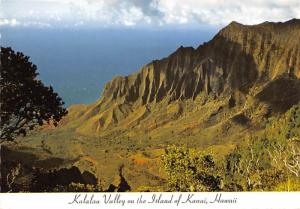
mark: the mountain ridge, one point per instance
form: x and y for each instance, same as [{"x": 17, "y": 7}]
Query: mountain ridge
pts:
[
  {"x": 215, "y": 98},
  {"x": 235, "y": 65}
]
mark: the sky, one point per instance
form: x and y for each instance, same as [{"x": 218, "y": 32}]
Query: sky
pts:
[
  {"x": 117, "y": 37},
  {"x": 143, "y": 13}
]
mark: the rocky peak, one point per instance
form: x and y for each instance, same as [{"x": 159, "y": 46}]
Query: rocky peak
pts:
[{"x": 237, "y": 59}]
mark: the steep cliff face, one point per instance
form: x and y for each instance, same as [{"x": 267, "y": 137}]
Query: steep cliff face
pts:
[
  {"x": 274, "y": 47},
  {"x": 237, "y": 57},
  {"x": 236, "y": 64}
]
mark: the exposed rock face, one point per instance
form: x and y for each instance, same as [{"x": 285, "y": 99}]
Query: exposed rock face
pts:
[{"x": 238, "y": 62}]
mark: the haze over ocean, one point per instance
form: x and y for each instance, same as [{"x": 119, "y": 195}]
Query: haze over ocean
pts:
[{"x": 78, "y": 62}]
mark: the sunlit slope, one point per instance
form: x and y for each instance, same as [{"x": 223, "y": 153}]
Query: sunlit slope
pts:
[
  {"x": 229, "y": 79},
  {"x": 213, "y": 98}
]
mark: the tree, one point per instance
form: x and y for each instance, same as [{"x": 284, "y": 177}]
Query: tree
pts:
[
  {"x": 24, "y": 100},
  {"x": 285, "y": 152},
  {"x": 189, "y": 170},
  {"x": 270, "y": 160}
]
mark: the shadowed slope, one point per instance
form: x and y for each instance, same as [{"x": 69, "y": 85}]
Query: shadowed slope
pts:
[{"x": 238, "y": 62}]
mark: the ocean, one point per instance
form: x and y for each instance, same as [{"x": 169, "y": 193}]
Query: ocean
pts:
[{"x": 78, "y": 62}]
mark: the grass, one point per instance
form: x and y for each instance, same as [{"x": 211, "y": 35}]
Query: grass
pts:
[{"x": 211, "y": 127}]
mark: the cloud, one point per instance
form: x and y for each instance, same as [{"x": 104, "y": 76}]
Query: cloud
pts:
[
  {"x": 143, "y": 13},
  {"x": 9, "y": 22},
  {"x": 15, "y": 23},
  {"x": 219, "y": 12}
]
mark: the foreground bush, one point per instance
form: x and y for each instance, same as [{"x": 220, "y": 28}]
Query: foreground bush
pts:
[
  {"x": 268, "y": 162},
  {"x": 189, "y": 170}
]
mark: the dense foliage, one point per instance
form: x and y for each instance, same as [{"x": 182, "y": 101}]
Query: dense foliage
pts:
[
  {"x": 270, "y": 161},
  {"x": 189, "y": 170},
  {"x": 24, "y": 100}
]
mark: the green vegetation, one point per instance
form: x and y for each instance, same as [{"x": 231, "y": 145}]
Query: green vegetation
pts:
[
  {"x": 270, "y": 161},
  {"x": 25, "y": 101},
  {"x": 229, "y": 102},
  {"x": 256, "y": 163},
  {"x": 189, "y": 170},
  {"x": 77, "y": 187}
]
